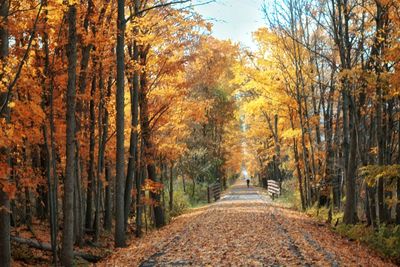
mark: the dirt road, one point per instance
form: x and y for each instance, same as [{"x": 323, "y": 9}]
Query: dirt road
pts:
[{"x": 244, "y": 229}]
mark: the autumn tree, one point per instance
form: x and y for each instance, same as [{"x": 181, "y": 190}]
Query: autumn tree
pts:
[{"x": 320, "y": 83}]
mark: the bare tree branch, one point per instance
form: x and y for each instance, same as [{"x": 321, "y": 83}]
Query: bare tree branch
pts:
[
  {"x": 21, "y": 64},
  {"x": 154, "y": 7}
]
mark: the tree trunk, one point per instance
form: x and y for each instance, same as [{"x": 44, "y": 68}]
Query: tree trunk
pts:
[
  {"x": 194, "y": 187},
  {"x": 163, "y": 176},
  {"x": 171, "y": 187},
  {"x": 28, "y": 208},
  {"x": 67, "y": 255},
  {"x": 297, "y": 163},
  {"x": 81, "y": 218},
  {"x": 139, "y": 181},
  {"x": 108, "y": 197},
  {"x": 398, "y": 204},
  {"x": 36, "y": 163},
  {"x": 336, "y": 184},
  {"x": 149, "y": 149},
  {"x": 48, "y": 151},
  {"x": 100, "y": 155},
  {"x": 159, "y": 218},
  {"x": 108, "y": 200},
  {"x": 398, "y": 180},
  {"x": 47, "y": 247},
  {"x": 345, "y": 109},
  {"x": 299, "y": 176},
  {"x": 134, "y": 92},
  {"x": 84, "y": 219},
  {"x": 350, "y": 213},
  {"x": 78, "y": 202},
  {"x": 120, "y": 161},
  {"x": 5, "y": 247},
  {"x": 371, "y": 191},
  {"x": 91, "y": 181},
  {"x": 380, "y": 140}
]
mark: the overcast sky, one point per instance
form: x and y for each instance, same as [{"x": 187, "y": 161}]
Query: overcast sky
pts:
[{"x": 234, "y": 19}]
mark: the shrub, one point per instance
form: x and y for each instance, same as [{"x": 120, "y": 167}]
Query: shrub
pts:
[
  {"x": 385, "y": 239},
  {"x": 290, "y": 196},
  {"x": 181, "y": 203}
]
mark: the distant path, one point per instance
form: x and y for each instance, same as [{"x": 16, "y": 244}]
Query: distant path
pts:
[{"x": 244, "y": 228}]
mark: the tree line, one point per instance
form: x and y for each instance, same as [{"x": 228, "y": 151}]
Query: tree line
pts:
[
  {"x": 321, "y": 101},
  {"x": 105, "y": 106}
]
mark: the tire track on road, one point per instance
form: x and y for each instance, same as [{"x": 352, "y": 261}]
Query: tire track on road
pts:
[
  {"x": 327, "y": 255},
  {"x": 153, "y": 259}
]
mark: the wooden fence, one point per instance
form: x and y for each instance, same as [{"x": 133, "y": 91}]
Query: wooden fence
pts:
[
  {"x": 213, "y": 191},
  {"x": 274, "y": 188}
]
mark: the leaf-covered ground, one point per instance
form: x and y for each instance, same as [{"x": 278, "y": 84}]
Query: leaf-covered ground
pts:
[{"x": 244, "y": 229}]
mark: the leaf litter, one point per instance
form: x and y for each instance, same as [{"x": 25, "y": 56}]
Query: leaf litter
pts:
[{"x": 244, "y": 233}]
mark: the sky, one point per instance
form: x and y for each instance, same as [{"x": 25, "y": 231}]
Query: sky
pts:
[{"x": 234, "y": 19}]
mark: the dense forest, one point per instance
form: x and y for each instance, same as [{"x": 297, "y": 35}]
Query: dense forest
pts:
[
  {"x": 321, "y": 100},
  {"x": 105, "y": 105},
  {"x": 117, "y": 115}
]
